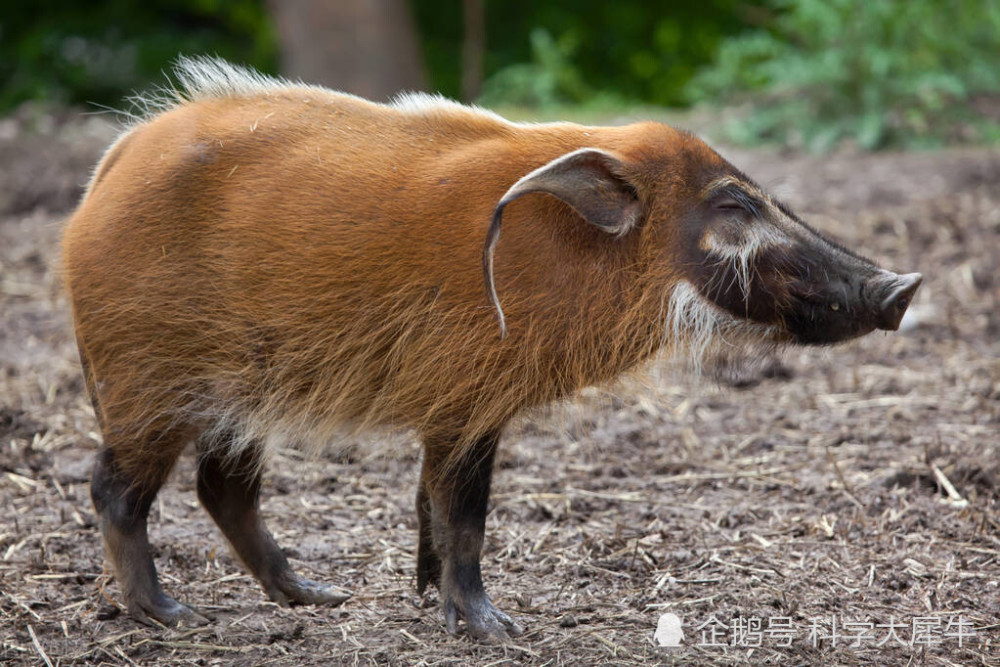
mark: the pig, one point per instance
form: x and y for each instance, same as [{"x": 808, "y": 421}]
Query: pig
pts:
[{"x": 258, "y": 263}]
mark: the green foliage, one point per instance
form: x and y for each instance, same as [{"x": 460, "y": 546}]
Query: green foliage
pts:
[
  {"x": 546, "y": 52},
  {"x": 878, "y": 72},
  {"x": 67, "y": 51},
  {"x": 809, "y": 73},
  {"x": 550, "y": 79}
]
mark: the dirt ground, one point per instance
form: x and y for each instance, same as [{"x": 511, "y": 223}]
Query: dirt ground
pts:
[{"x": 839, "y": 508}]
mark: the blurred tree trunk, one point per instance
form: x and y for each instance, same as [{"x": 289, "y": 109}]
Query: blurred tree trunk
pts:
[
  {"x": 366, "y": 47},
  {"x": 473, "y": 46}
]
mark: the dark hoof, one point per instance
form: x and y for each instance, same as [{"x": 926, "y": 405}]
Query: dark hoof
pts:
[
  {"x": 300, "y": 590},
  {"x": 483, "y": 621},
  {"x": 165, "y": 611}
]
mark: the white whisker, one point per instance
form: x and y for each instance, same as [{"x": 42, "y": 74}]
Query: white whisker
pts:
[{"x": 699, "y": 331}]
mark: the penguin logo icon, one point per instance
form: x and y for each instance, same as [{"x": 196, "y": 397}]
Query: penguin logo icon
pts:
[{"x": 668, "y": 630}]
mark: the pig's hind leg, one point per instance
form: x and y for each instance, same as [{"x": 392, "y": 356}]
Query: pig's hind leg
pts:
[
  {"x": 122, "y": 497},
  {"x": 127, "y": 475},
  {"x": 229, "y": 488}
]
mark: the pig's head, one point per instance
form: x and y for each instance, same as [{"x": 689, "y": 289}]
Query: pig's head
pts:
[
  {"x": 741, "y": 273},
  {"x": 751, "y": 257}
]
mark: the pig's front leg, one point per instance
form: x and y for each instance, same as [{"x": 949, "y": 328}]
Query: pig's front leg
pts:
[{"x": 451, "y": 508}]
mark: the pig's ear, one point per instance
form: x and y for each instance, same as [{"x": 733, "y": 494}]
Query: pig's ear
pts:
[{"x": 589, "y": 180}]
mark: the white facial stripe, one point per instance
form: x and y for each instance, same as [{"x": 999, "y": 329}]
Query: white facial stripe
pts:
[
  {"x": 723, "y": 182},
  {"x": 753, "y": 239}
]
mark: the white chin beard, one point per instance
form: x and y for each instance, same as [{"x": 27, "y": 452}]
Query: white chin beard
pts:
[{"x": 710, "y": 340}]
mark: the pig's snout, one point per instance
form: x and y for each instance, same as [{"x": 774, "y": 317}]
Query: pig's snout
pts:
[
  {"x": 840, "y": 309},
  {"x": 894, "y": 294}
]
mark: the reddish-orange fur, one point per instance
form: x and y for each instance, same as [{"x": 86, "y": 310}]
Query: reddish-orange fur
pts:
[{"x": 291, "y": 263}]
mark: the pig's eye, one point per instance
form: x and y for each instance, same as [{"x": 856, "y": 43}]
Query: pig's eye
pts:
[
  {"x": 729, "y": 204},
  {"x": 736, "y": 202}
]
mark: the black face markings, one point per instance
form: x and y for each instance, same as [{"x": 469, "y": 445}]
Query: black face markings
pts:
[
  {"x": 753, "y": 257},
  {"x": 720, "y": 177},
  {"x": 784, "y": 208},
  {"x": 739, "y": 189}
]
